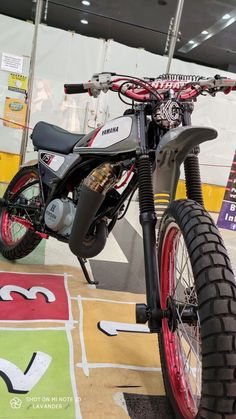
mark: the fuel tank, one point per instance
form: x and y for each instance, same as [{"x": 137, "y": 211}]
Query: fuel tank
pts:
[{"x": 115, "y": 137}]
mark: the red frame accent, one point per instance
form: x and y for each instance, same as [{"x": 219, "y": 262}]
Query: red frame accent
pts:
[
  {"x": 173, "y": 360},
  {"x": 144, "y": 93},
  {"x": 147, "y": 88},
  {"x": 90, "y": 143},
  {"x": 27, "y": 224},
  {"x": 126, "y": 178}
]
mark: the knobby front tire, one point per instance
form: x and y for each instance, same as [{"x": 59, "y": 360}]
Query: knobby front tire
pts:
[
  {"x": 198, "y": 358},
  {"x": 16, "y": 241}
]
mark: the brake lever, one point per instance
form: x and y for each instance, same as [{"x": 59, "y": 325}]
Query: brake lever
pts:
[{"x": 99, "y": 82}]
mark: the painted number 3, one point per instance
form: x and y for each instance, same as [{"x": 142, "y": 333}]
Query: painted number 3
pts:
[
  {"x": 31, "y": 294},
  {"x": 16, "y": 380}
]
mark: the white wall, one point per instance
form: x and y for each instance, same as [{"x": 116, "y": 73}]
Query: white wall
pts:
[
  {"x": 66, "y": 57},
  {"x": 16, "y": 38}
]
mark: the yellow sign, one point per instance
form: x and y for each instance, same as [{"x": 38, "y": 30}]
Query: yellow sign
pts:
[
  {"x": 17, "y": 82},
  {"x": 14, "y": 113}
]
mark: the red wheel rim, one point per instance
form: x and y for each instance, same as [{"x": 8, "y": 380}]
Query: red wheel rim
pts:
[
  {"x": 181, "y": 388},
  {"x": 7, "y": 223}
]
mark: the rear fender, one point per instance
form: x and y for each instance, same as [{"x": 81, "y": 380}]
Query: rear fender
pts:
[{"x": 30, "y": 163}]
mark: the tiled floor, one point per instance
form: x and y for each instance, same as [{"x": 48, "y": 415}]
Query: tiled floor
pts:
[{"x": 102, "y": 376}]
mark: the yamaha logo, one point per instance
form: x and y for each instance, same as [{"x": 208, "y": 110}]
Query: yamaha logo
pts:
[{"x": 110, "y": 130}]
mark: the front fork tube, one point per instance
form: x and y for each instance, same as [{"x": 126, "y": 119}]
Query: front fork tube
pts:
[
  {"x": 151, "y": 311},
  {"x": 191, "y": 165},
  {"x": 193, "y": 177}
]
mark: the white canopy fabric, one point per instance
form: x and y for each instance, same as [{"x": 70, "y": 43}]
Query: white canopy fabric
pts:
[{"x": 66, "y": 57}]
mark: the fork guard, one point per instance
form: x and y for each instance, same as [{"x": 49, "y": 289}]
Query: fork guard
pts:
[{"x": 172, "y": 150}]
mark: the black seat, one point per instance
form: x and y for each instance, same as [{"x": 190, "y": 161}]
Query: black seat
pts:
[{"x": 50, "y": 137}]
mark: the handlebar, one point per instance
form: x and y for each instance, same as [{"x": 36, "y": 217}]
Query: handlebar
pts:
[
  {"x": 70, "y": 89},
  {"x": 145, "y": 90}
]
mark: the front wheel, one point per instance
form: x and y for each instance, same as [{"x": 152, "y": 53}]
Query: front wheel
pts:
[{"x": 198, "y": 342}]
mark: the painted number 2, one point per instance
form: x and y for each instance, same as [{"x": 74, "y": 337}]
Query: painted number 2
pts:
[{"x": 22, "y": 382}]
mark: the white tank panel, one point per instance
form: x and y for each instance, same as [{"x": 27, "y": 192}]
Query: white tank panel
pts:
[{"x": 113, "y": 132}]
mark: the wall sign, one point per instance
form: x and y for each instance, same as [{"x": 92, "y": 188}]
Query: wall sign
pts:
[
  {"x": 17, "y": 82},
  {"x": 227, "y": 216},
  {"x": 12, "y": 63},
  {"x": 14, "y": 111}
]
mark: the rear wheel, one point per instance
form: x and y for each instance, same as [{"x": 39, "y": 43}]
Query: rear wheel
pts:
[
  {"x": 198, "y": 342},
  {"x": 17, "y": 241}
]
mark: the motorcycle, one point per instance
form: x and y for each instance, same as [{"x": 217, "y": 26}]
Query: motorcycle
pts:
[{"x": 72, "y": 194}]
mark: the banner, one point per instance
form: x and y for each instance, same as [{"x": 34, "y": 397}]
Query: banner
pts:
[
  {"x": 227, "y": 216},
  {"x": 14, "y": 111},
  {"x": 17, "y": 82}
]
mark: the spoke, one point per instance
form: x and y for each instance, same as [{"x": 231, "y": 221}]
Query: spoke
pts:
[
  {"x": 182, "y": 279},
  {"x": 181, "y": 273},
  {"x": 191, "y": 336},
  {"x": 184, "y": 359},
  {"x": 183, "y": 302},
  {"x": 191, "y": 370},
  {"x": 182, "y": 256},
  {"x": 187, "y": 337}
]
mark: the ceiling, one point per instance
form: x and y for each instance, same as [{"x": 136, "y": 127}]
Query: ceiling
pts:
[{"x": 143, "y": 23}]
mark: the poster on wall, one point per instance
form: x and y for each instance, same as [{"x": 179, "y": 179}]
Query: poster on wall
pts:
[
  {"x": 14, "y": 113},
  {"x": 17, "y": 82},
  {"x": 227, "y": 216},
  {"x": 12, "y": 63}
]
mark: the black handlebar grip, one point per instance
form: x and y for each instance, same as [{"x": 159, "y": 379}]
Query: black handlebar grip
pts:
[{"x": 71, "y": 89}]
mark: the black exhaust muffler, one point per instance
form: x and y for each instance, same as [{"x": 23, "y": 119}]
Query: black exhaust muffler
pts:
[
  {"x": 91, "y": 197},
  {"x": 81, "y": 245}
]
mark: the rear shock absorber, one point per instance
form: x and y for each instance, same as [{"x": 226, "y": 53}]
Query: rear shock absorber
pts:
[{"x": 192, "y": 177}]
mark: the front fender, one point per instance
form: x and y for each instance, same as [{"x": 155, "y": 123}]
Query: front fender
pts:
[
  {"x": 172, "y": 150},
  {"x": 183, "y": 139}
]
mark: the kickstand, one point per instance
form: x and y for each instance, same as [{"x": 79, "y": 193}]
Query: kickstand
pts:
[{"x": 85, "y": 271}]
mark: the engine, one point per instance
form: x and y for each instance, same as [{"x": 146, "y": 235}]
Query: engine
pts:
[{"x": 59, "y": 216}]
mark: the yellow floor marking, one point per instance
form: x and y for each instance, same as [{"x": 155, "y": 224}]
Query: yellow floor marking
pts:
[{"x": 125, "y": 348}]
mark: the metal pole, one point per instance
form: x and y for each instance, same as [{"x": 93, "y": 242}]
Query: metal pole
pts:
[
  {"x": 175, "y": 32},
  {"x": 38, "y": 15}
]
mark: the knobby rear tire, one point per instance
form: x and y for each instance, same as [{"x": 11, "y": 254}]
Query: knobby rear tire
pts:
[
  {"x": 29, "y": 241},
  {"x": 216, "y": 298}
]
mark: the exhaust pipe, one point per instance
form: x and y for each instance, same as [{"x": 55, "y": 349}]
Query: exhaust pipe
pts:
[{"x": 91, "y": 197}]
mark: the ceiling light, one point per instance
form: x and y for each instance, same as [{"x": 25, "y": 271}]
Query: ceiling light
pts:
[
  {"x": 86, "y": 3},
  {"x": 225, "y": 21},
  {"x": 85, "y": 22}
]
